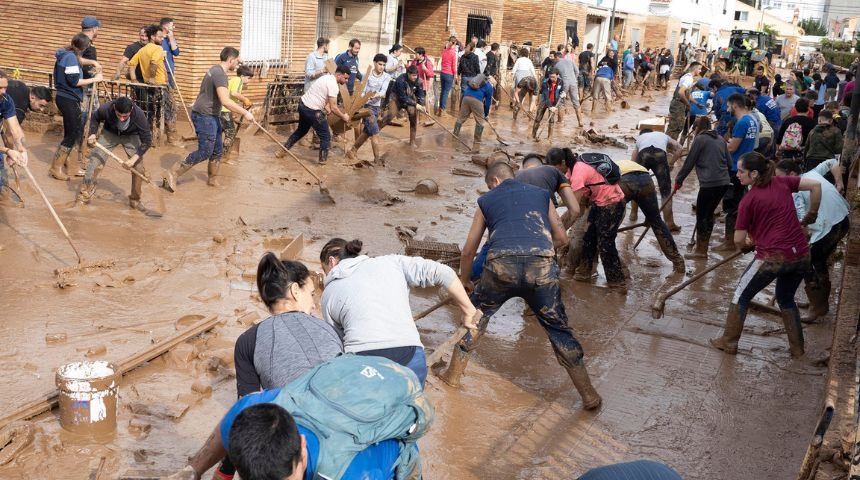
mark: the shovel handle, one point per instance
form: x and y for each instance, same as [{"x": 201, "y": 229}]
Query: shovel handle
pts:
[
  {"x": 660, "y": 301},
  {"x": 134, "y": 171},
  {"x": 269, "y": 134},
  {"x": 446, "y": 129},
  {"x": 53, "y": 212},
  {"x": 648, "y": 227}
]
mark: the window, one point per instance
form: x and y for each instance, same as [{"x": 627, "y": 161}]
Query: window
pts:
[
  {"x": 570, "y": 33},
  {"x": 262, "y": 30},
  {"x": 741, "y": 16},
  {"x": 478, "y": 25}
]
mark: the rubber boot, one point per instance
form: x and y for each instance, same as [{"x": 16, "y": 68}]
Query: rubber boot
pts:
[
  {"x": 728, "y": 244},
  {"x": 794, "y": 330},
  {"x": 634, "y": 211},
  {"x": 412, "y": 134},
  {"x": 669, "y": 218},
  {"x": 73, "y": 164},
  {"x": 57, "y": 163},
  {"x": 281, "y": 153},
  {"x": 476, "y": 146},
  {"x": 590, "y": 398},
  {"x": 818, "y": 295},
  {"x": 173, "y": 137},
  {"x": 437, "y": 112},
  {"x": 728, "y": 342},
  {"x": 323, "y": 157},
  {"x": 700, "y": 251},
  {"x": 374, "y": 145},
  {"x": 355, "y": 146},
  {"x": 535, "y": 131},
  {"x": 172, "y": 175},
  {"x": 457, "y": 126},
  {"x": 213, "y": 168},
  {"x": 578, "y": 116}
]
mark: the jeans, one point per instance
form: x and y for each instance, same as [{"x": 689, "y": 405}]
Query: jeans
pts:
[
  {"x": 585, "y": 79},
  {"x": 535, "y": 280},
  {"x": 210, "y": 145},
  {"x": 627, "y": 77},
  {"x": 228, "y": 126},
  {"x": 731, "y": 200},
  {"x": 638, "y": 187},
  {"x": 758, "y": 275},
  {"x": 820, "y": 251},
  {"x": 417, "y": 362},
  {"x": 447, "y": 84},
  {"x": 310, "y": 118},
  {"x": 599, "y": 239},
  {"x": 70, "y": 109},
  {"x": 656, "y": 160},
  {"x": 706, "y": 204}
]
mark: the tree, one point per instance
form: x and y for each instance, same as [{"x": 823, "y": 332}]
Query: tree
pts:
[
  {"x": 813, "y": 26},
  {"x": 768, "y": 29}
]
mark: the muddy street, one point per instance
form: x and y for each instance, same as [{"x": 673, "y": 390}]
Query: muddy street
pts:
[{"x": 667, "y": 394}]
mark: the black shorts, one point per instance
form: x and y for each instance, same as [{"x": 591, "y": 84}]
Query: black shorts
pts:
[{"x": 529, "y": 83}]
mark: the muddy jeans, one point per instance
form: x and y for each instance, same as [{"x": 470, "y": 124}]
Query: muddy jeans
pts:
[
  {"x": 820, "y": 251},
  {"x": 758, "y": 275},
  {"x": 638, "y": 187},
  {"x": 210, "y": 145},
  {"x": 535, "y": 280},
  {"x": 707, "y": 202},
  {"x": 600, "y": 239},
  {"x": 731, "y": 200},
  {"x": 411, "y": 112},
  {"x": 657, "y": 161},
  {"x": 677, "y": 118},
  {"x": 229, "y": 128},
  {"x": 310, "y": 118},
  {"x": 98, "y": 158},
  {"x": 469, "y": 106}
]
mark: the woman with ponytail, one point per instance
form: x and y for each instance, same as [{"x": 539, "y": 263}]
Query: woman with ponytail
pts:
[
  {"x": 366, "y": 299},
  {"x": 767, "y": 223}
]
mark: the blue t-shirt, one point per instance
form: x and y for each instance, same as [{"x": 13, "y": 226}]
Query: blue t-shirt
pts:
[
  {"x": 7, "y": 107},
  {"x": 605, "y": 72},
  {"x": 747, "y": 130},
  {"x": 376, "y": 462},
  {"x": 702, "y": 97},
  {"x": 629, "y": 62},
  {"x": 169, "y": 54},
  {"x": 703, "y": 83},
  {"x": 768, "y": 107}
]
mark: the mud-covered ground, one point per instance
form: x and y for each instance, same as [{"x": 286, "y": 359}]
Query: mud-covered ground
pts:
[{"x": 667, "y": 395}]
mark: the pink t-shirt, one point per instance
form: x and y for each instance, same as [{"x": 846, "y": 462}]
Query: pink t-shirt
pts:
[
  {"x": 767, "y": 213},
  {"x": 601, "y": 193}
]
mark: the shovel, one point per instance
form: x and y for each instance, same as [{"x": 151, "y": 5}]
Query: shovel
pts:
[
  {"x": 160, "y": 208},
  {"x": 431, "y": 117},
  {"x": 498, "y": 137},
  {"x": 659, "y": 304},
  {"x": 323, "y": 189}
]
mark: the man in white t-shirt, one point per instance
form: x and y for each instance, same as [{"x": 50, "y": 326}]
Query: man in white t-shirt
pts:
[
  {"x": 680, "y": 105},
  {"x": 320, "y": 98},
  {"x": 651, "y": 152}
]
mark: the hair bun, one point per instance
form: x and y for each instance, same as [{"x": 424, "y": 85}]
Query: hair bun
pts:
[{"x": 353, "y": 247}]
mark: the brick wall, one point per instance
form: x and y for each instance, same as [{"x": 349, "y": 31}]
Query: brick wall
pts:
[{"x": 526, "y": 20}]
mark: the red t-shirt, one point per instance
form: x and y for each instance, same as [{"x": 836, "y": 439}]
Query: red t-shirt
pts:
[{"x": 767, "y": 213}]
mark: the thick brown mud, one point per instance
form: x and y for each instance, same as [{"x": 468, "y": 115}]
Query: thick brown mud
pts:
[{"x": 667, "y": 395}]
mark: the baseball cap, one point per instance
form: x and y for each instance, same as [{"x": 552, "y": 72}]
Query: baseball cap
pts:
[{"x": 90, "y": 22}]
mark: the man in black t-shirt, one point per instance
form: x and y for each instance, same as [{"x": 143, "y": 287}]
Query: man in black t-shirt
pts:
[
  {"x": 534, "y": 172},
  {"x": 129, "y": 52},
  {"x": 89, "y": 58},
  {"x": 586, "y": 66},
  {"x": 28, "y": 99}
]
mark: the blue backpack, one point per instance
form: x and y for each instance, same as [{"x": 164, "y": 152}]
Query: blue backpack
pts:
[{"x": 352, "y": 402}]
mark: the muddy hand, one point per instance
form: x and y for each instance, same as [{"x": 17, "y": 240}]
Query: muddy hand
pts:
[
  {"x": 186, "y": 473},
  {"x": 470, "y": 320}
]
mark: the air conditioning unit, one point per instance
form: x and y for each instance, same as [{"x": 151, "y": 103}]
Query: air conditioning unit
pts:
[{"x": 339, "y": 13}]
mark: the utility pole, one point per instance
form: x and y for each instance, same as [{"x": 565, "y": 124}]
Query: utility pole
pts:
[{"x": 612, "y": 21}]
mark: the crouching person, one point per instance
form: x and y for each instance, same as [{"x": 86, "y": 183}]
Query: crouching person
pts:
[
  {"x": 124, "y": 124},
  {"x": 299, "y": 431}
]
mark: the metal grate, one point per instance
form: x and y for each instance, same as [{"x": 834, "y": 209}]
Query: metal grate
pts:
[
  {"x": 447, "y": 253},
  {"x": 281, "y": 105}
]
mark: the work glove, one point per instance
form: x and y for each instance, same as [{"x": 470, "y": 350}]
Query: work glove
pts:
[
  {"x": 420, "y": 108},
  {"x": 91, "y": 140},
  {"x": 809, "y": 218},
  {"x": 676, "y": 187}
]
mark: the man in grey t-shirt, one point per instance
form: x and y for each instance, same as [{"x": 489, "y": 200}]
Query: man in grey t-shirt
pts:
[
  {"x": 205, "y": 115},
  {"x": 786, "y": 101},
  {"x": 569, "y": 78}
]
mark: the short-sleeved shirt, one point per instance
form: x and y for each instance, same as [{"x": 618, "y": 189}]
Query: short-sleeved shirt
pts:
[
  {"x": 234, "y": 85},
  {"x": 785, "y": 104},
  {"x": 767, "y": 212},
  {"x": 20, "y": 94},
  {"x": 130, "y": 52},
  {"x": 629, "y": 166},
  {"x": 701, "y": 97},
  {"x": 7, "y": 107},
  {"x": 584, "y": 177},
  {"x": 150, "y": 54},
  {"x": 584, "y": 59},
  {"x": 747, "y": 130},
  {"x": 207, "y": 102},
  {"x": 320, "y": 91},
  {"x": 544, "y": 176},
  {"x": 376, "y": 462},
  {"x": 658, "y": 140}
]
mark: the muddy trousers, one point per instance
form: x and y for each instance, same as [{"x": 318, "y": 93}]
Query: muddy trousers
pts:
[
  {"x": 677, "y": 118},
  {"x": 657, "y": 161},
  {"x": 310, "y": 118},
  {"x": 731, "y": 201},
  {"x": 228, "y": 126},
  {"x": 707, "y": 202},
  {"x": 393, "y": 110},
  {"x": 638, "y": 187},
  {"x": 210, "y": 144},
  {"x": 535, "y": 280},
  {"x": 599, "y": 239},
  {"x": 98, "y": 158}
]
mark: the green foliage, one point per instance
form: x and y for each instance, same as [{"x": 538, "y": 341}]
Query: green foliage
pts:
[
  {"x": 843, "y": 59},
  {"x": 813, "y": 26},
  {"x": 768, "y": 29},
  {"x": 835, "y": 45}
]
